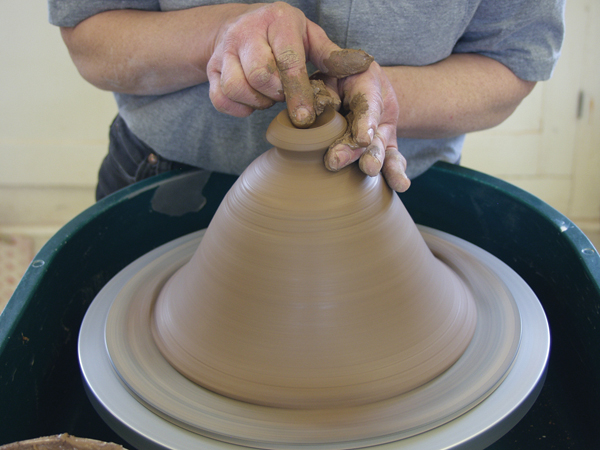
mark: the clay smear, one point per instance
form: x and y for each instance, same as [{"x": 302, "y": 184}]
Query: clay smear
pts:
[
  {"x": 323, "y": 97},
  {"x": 358, "y": 108},
  {"x": 346, "y": 62}
]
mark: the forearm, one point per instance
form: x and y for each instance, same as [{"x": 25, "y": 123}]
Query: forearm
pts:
[
  {"x": 463, "y": 93},
  {"x": 147, "y": 53}
]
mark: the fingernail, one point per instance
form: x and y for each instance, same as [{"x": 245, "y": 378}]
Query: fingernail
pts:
[
  {"x": 341, "y": 159},
  {"x": 367, "y": 140},
  {"x": 302, "y": 114},
  {"x": 370, "y": 164},
  {"x": 404, "y": 183},
  {"x": 400, "y": 183},
  {"x": 371, "y": 133}
]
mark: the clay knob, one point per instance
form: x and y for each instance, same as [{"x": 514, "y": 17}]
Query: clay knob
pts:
[
  {"x": 312, "y": 289},
  {"x": 322, "y": 133}
]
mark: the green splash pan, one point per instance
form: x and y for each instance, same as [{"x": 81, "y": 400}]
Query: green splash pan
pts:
[{"x": 41, "y": 390}]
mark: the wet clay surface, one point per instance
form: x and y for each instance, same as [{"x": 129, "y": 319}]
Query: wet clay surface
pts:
[
  {"x": 135, "y": 357},
  {"x": 346, "y": 62},
  {"x": 312, "y": 289}
]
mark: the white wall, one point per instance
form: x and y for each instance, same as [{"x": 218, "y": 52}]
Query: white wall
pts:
[
  {"x": 551, "y": 145},
  {"x": 53, "y": 127}
]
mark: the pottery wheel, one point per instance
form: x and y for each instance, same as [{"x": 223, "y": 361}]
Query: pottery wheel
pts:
[{"x": 469, "y": 406}]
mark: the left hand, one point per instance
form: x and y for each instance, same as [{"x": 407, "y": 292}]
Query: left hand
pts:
[{"x": 373, "y": 119}]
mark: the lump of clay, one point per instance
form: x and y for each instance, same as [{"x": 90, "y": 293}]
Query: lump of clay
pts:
[{"x": 61, "y": 442}]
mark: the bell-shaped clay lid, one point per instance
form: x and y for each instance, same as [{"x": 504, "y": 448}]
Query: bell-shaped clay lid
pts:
[{"x": 312, "y": 289}]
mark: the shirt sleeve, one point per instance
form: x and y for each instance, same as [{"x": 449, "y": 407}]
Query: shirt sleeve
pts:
[
  {"x": 524, "y": 35},
  {"x": 68, "y": 13}
]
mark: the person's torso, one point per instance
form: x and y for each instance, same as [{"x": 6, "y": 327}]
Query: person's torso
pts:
[{"x": 415, "y": 32}]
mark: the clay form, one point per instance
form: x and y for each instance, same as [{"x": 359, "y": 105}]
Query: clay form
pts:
[
  {"x": 312, "y": 289},
  {"x": 136, "y": 362},
  {"x": 276, "y": 315}
]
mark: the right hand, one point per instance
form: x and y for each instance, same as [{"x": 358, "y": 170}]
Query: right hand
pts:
[
  {"x": 261, "y": 54},
  {"x": 259, "y": 58}
]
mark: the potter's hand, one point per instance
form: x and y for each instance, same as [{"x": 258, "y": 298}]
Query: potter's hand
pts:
[
  {"x": 260, "y": 55},
  {"x": 371, "y": 136}
]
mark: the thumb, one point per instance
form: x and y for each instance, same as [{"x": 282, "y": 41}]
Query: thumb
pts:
[{"x": 332, "y": 60}]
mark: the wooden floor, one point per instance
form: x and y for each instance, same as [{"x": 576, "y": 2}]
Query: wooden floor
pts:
[{"x": 16, "y": 252}]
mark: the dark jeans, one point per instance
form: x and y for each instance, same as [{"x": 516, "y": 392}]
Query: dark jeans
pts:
[{"x": 129, "y": 160}]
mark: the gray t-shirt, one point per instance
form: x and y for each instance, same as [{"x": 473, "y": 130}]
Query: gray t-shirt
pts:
[{"x": 524, "y": 35}]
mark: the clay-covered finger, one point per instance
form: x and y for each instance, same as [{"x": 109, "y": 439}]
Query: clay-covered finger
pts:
[
  {"x": 332, "y": 60},
  {"x": 286, "y": 36},
  {"x": 341, "y": 156},
  {"x": 346, "y": 62},
  {"x": 371, "y": 161},
  {"x": 366, "y": 113},
  {"x": 291, "y": 61},
  {"x": 394, "y": 170},
  {"x": 342, "y": 152},
  {"x": 296, "y": 88}
]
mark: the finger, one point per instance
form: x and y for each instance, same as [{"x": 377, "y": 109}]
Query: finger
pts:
[
  {"x": 236, "y": 87},
  {"x": 364, "y": 95},
  {"x": 291, "y": 58},
  {"x": 347, "y": 62},
  {"x": 342, "y": 152},
  {"x": 366, "y": 107},
  {"x": 333, "y": 60},
  {"x": 219, "y": 100},
  {"x": 348, "y": 149},
  {"x": 296, "y": 88},
  {"x": 372, "y": 160},
  {"x": 341, "y": 156},
  {"x": 260, "y": 71},
  {"x": 286, "y": 39},
  {"x": 394, "y": 170}
]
